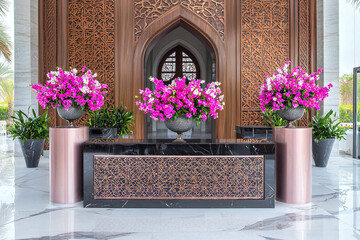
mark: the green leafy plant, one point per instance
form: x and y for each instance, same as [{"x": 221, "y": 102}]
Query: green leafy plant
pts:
[
  {"x": 271, "y": 118},
  {"x": 346, "y": 113},
  {"x": 3, "y": 113},
  {"x": 30, "y": 127},
  {"x": 327, "y": 126},
  {"x": 115, "y": 117}
]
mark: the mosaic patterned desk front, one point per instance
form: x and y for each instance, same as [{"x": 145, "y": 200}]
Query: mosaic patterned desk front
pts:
[{"x": 179, "y": 177}]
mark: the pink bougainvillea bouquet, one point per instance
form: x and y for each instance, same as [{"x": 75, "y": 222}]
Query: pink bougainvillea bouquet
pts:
[
  {"x": 292, "y": 88},
  {"x": 66, "y": 88},
  {"x": 179, "y": 98}
]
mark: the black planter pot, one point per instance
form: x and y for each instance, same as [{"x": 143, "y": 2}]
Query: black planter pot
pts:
[
  {"x": 321, "y": 151},
  {"x": 102, "y": 133},
  {"x": 32, "y": 149},
  {"x": 291, "y": 114}
]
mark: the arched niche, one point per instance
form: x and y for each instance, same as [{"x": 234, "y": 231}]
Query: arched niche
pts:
[
  {"x": 204, "y": 61},
  {"x": 175, "y": 18}
]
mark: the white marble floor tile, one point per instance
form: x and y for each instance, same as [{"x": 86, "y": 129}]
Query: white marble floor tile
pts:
[{"x": 27, "y": 213}]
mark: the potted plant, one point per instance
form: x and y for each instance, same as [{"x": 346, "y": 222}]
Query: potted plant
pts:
[
  {"x": 290, "y": 91},
  {"x": 326, "y": 129},
  {"x": 32, "y": 131},
  {"x": 110, "y": 122},
  {"x": 181, "y": 104},
  {"x": 272, "y": 119},
  {"x": 71, "y": 94}
]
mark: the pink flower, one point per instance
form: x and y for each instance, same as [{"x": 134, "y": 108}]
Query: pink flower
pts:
[
  {"x": 66, "y": 89},
  {"x": 180, "y": 98},
  {"x": 292, "y": 87}
]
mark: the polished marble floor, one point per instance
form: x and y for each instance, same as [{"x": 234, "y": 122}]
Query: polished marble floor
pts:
[{"x": 27, "y": 213}]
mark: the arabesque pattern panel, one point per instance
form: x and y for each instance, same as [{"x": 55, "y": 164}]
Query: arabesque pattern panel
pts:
[
  {"x": 179, "y": 177},
  {"x": 146, "y": 11},
  {"x": 264, "y": 47},
  {"x": 91, "y": 40}
]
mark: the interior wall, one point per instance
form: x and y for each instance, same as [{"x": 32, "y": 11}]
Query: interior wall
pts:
[
  {"x": 153, "y": 57},
  {"x": 250, "y": 38}
]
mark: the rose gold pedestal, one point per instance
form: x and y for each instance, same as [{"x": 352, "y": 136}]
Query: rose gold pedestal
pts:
[
  {"x": 66, "y": 163},
  {"x": 293, "y": 164}
]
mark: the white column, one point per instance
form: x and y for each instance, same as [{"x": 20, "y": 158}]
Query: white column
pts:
[
  {"x": 328, "y": 49},
  {"x": 328, "y": 54},
  {"x": 26, "y": 53}
]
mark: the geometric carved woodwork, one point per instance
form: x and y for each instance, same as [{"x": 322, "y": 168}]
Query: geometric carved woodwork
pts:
[
  {"x": 306, "y": 44},
  {"x": 91, "y": 33},
  {"x": 47, "y": 47},
  {"x": 304, "y": 35},
  {"x": 179, "y": 177},
  {"x": 264, "y": 47},
  {"x": 146, "y": 11},
  {"x": 257, "y": 34}
]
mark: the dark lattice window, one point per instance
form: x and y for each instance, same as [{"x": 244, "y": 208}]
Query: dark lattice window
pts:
[{"x": 178, "y": 62}]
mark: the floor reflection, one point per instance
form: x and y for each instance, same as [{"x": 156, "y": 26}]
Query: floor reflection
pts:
[{"x": 27, "y": 213}]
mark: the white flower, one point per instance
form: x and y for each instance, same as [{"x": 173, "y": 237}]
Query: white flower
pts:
[
  {"x": 301, "y": 82},
  {"x": 74, "y": 71},
  {"x": 286, "y": 67},
  {"x": 55, "y": 73},
  {"x": 221, "y": 97},
  {"x": 217, "y": 83},
  {"x": 151, "y": 79},
  {"x": 151, "y": 99},
  {"x": 53, "y": 80},
  {"x": 85, "y": 89},
  {"x": 85, "y": 79},
  {"x": 202, "y": 81},
  {"x": 95, "y": 75},
  {"x": 268, "y": 81},
  {"x": 269, "y": 87},
  {"x": 97, "y": 84}
]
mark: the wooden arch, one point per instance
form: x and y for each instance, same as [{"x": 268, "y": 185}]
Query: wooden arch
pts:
[{"x": 177, "y": 16}]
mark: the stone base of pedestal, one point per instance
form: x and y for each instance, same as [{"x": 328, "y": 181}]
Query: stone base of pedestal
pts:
[
  {"x": 66, "y": 163},
  {"x": 293, "y": 164}
]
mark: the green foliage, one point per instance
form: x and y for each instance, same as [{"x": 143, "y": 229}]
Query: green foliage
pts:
[
  {"x": 271, "y": 118},
  {"x": 5, "y": 42},
  {"x": 346, "y": 89},
  {"x": 346, "y": 113},
  {"x": 327, "y": 126},
  {"x": 3, "y": 113},
  {"x": 118, "y": 118},
  {"x": 30, "y": 127}
]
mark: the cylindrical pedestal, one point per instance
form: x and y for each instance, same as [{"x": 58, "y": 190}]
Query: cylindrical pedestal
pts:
[
  {"x": 66, "y": 163},
  {"x": 293, "y": 164}
]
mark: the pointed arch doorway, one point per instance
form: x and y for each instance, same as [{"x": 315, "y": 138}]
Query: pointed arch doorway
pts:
[
  {"x": 179, "y": 53},
  {"x": 132, "y": 75}
]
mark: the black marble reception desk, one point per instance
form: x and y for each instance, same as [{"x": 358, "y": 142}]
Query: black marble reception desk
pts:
[
  {"x": 129, "y": 173},
  {"x": 258, "y": 132}
]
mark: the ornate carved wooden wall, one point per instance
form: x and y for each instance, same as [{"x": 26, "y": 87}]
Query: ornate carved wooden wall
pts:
[
  {"x": 91, "y": 39},
  {"x": 264, "y": 46},
  {"x": 250, "y": 38},
  {"x": 147, "y": 11},
  {"x": 47, "y": 44}
]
